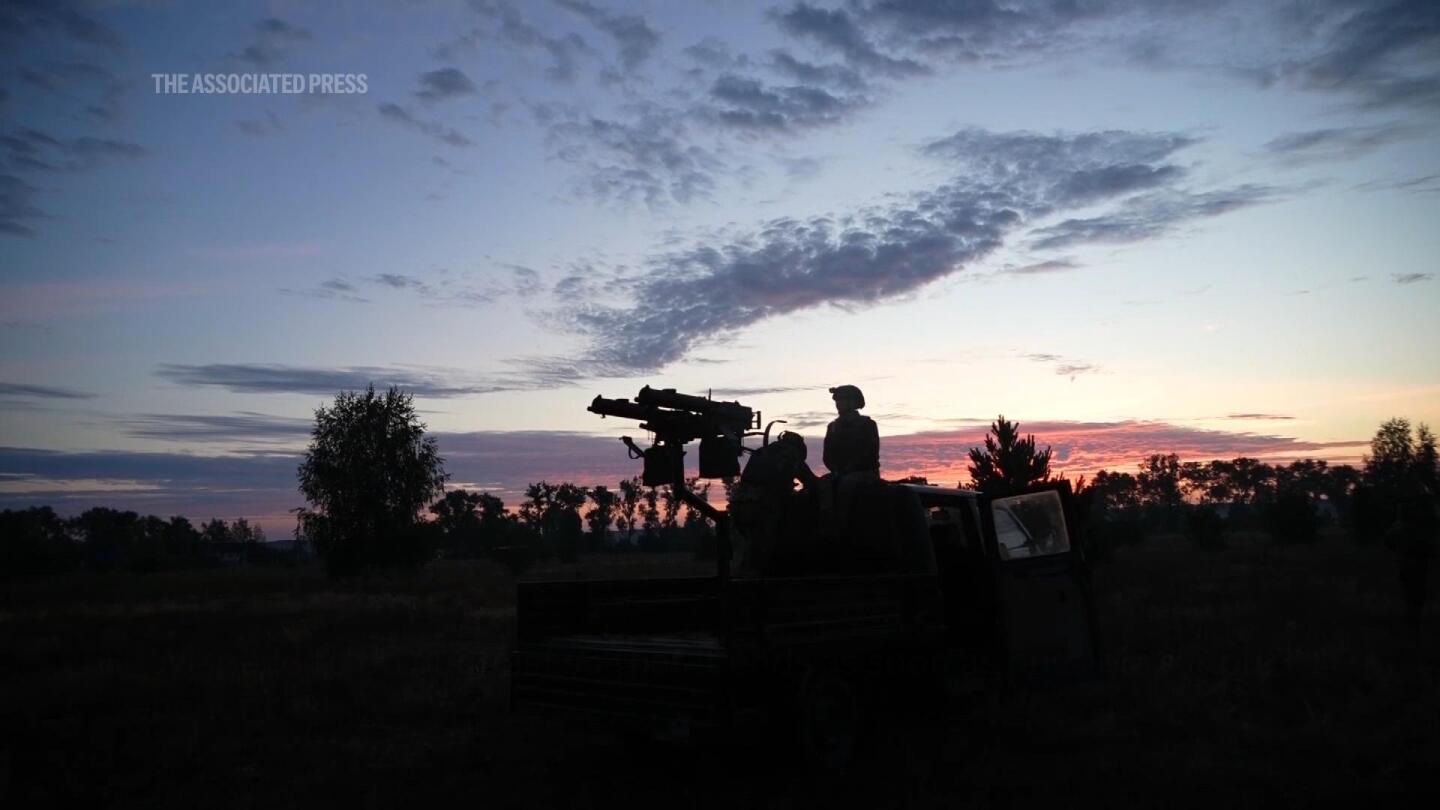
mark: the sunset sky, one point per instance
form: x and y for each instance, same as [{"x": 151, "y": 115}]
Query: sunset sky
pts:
[{"x": 1203, "y": 227}]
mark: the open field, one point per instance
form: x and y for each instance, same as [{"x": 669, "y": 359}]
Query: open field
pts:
[{"x": 1253, "y": 677}]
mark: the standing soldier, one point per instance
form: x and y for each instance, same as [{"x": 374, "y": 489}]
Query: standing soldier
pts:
[{"x": 852, "y": 453}]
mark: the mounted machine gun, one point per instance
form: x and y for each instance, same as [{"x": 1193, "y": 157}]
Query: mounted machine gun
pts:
[{"x": 677, "y": 419}]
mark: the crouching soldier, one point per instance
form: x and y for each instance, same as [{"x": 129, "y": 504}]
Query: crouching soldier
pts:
[{"x": 768, "y": 512}]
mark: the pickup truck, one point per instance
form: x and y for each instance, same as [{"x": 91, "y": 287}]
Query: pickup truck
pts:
[{"x": 993, "y": 595}]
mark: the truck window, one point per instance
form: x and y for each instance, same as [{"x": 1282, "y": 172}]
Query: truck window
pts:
[{"x": 1030, "y": 525}]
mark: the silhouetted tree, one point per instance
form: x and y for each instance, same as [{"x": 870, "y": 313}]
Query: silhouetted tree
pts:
[
  {"x": 539, "y": 499},
  {"x": 700, "y": 489},
  {"x": 35, "y": 541},
  {"x": 1008, "y": 463},
  {"x": 1158, "y": 482},
  {"x": 1195, "y": 480},
  {"x": 1251, "y": 480},
  {"x": 1400, "y": 468},
  {"x": 1115, "y": 491},
  {"x": 630, "y": 490},
  {"x": 242, "y": 532},
  {"x": 670, "y": 508},
  {"x": 458, "y": 518},
  {"x": 650, "y": 515},
  {"x": 215, "y": 530},
  {"x": 602, "y": 515},
  {"x": 367, "y": 474}
]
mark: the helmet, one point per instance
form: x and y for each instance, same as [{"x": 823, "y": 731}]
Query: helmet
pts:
[
  {"x": 849, "y": 391},
  {"x": 795, "y": 441}
]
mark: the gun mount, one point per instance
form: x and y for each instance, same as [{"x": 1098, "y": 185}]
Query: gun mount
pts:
[{"x": 677, "y": 419}]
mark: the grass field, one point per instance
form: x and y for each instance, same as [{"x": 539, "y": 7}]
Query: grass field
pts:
[{"x": 1254, "y": 677}]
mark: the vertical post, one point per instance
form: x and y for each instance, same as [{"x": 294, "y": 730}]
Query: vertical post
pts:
[{"x": 722, "y": 527}]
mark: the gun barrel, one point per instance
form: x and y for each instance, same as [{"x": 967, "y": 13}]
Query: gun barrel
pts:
[
  {"x": 623, "y": 408},
  {"x": 732, "y": 412}
]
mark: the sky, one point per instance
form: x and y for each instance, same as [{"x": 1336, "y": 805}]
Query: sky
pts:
[{"x": 1200, "y": 227}]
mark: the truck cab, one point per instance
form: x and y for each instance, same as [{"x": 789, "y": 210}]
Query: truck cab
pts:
[{"x": 986, "y": 593}]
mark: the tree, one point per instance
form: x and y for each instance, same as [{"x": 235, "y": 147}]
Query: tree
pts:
[
  {"x": 1158, "y": 482},
  {"x": 242, "y": 532},
  {"x": 630, "y": 490},
  {"x": 600, "y": 516},
  {"x": 670, "y": 508},
  {"x": 539, "y": 499},
  {"x": 215, "y": 531},
  {"x": 1250, "y": 480},
  {"x": 1399, "y": 470},
  {"x": 457, "y": 516},
  {"x": 35, "y": 541},
  {"x": 1197, "y": 480},
  {"x": 369, "y": 471},
  {"x": 1008, "y": 463},
  {"x": 650, "y": 513},
  {"x": 1114, "y": 492}
]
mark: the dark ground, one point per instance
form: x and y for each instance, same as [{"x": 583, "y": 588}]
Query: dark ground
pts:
[{"x": 1254, "y": 677}]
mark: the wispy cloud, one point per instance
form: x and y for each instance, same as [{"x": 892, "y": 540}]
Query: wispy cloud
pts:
[
  {"x": 431, "y": 129},
  {"x": 526, "y": 374},
  {"x": 1082, "y": 448},
  {"x": 1042, "y": 268},
  {"x": 651, "y": 160},
  {"x": 636, "y": 39},
  {"x": 272, "y": 40},
  {"x": 245, "y": 427},
  {"x": 41, "y": 391},
  {"x": 1340, "y": 143},
  {"x": 444, "y": 83},
  {"x": 1410, "y": 278},
  {"x": 439, "y": 288},
  {"x": 24, "y": 21},
  {"x": 837, "y": 30},
  {"x": 17, "y": 206},
  {"x": 276, "y": 379},
  {"x": 875, "y": 254},
  {"x": 30, "y": 148},
  {"x": 506, "y": 25},
  {"x": 752, "y": 106},
  {"x": 1150, "y": 216}
]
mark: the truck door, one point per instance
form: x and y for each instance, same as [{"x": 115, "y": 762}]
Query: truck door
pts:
[{"x": 1048, "y": 634}]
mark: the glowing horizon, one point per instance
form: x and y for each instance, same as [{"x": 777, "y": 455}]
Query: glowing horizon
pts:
[{"x": 1141, "y": 229}]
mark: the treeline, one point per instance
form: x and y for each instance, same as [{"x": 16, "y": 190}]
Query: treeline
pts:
[
  {"x": 38, "y": 541},
  {"x": 1391, "y": 496},
  {"x": 554, "y": 520},
  {"x": 564, "y": 519}
]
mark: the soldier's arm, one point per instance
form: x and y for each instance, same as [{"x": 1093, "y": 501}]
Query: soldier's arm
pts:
[
  {"x": 872, "y": 443},
  {"x": 828, "y": 455}
]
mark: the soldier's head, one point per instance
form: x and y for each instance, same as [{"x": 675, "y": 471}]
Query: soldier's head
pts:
[
  {"x": 794, "y": 443},
  {"x": 847, "y": 399}
]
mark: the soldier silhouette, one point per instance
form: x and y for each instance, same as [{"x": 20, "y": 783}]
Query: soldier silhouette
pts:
[
  {"x": 765, "y": 504},
  {"x": 852, "y": 455}
]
